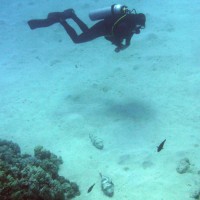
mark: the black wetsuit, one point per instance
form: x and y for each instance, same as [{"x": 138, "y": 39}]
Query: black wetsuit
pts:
[{"x": 115, "y": 29}]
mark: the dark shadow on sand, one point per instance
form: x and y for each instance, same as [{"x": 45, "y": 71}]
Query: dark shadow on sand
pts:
[
  {"x": 135, "y": 110},
  {"x": 101, "y": 108}
]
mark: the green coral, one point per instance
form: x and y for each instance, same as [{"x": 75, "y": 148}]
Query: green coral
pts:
[
  {"x": 50, "y": 162},
  {"x": 25, "y": 177}
]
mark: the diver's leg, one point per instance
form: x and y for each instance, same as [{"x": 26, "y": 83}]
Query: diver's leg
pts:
[
  {"x": 95, "y": 31},
  {"x": 80, "y": 23},
  {"x": 71, "y": 32}
]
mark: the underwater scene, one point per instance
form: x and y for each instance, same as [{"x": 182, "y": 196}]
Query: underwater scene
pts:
[{"x": 99, "y": 100}]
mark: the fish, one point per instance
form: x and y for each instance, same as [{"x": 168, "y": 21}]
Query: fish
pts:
[
  {"x": 90, "y": 188},
  {"x": 107, "y": 185},
  {"x": 160, "y": 147}
]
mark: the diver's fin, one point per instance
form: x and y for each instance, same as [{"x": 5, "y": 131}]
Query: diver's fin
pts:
[
  {"x": 61, "y": 15},
  {"x": 52, "y": 18},
  {"x": 40, "y": 23}
]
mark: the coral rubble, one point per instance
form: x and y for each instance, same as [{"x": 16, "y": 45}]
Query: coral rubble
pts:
[{"x": 183, "y": 166}]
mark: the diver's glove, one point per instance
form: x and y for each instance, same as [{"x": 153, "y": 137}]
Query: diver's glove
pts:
[
  {"x": 137, "y": 31},
  {"x": 121, "y": 47},
  {"x": 117, "y": 49}
]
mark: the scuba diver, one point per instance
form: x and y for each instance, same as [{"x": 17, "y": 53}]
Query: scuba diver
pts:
[{"x": 116, "y": 23}]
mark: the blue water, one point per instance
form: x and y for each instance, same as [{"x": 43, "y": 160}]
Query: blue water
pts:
[{"x": 55, "y": 93}]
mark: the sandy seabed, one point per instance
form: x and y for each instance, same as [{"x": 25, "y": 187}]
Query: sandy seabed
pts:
[{"x": 55, "y": 93}]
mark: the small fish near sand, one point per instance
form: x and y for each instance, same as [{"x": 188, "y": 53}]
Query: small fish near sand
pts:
[
  {"x": 97, "y": 142},
  {"x": 161, "y": 145},
  {"x": 107, "y": 185},
  {"x": 90, "y": 188}
]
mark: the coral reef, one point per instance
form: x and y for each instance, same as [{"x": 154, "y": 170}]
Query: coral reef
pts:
[
  {"x": 23, "y": 176},
  {"x": 195, "y": 193}
]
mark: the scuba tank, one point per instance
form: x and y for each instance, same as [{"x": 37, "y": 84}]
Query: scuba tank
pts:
[{"x": 115, "y": 9}]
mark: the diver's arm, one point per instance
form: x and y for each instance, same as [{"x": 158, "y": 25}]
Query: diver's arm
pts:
[
  {"x": 124, "y": 46},
  {"x": 118, "y": 43}
]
